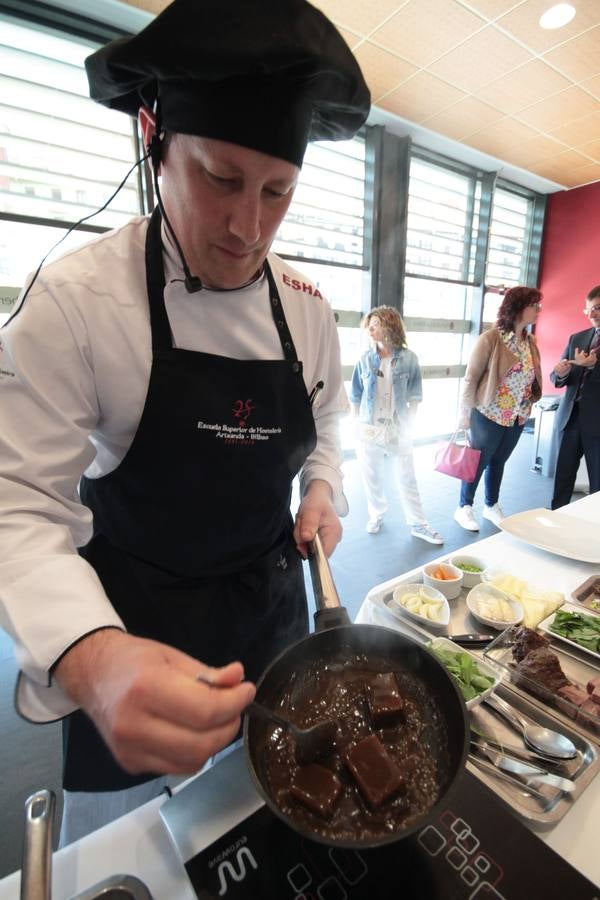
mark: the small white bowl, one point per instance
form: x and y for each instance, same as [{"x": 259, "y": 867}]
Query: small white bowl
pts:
[
  {"x": 485, "y": 667},
  {"x": 470, "y": 579},
  {"x": 449, "y": 588},
  {"x": 485, "y": 591},
  {"x": 403, "y": 589}
]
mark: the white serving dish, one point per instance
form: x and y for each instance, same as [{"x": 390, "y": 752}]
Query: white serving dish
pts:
[
  {"x": 483, "y": 665},
  {"x": 395, "y": 606},
  {"x": 450, "y": 589},
  {"x": 484, "y": 590},
  {"x": 556, "y": 532},
  {"x": 571, "y": 608},
  {"x": 470, "y": 579}
]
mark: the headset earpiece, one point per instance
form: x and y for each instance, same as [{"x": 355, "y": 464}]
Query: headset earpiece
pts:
[{"x": 154, "y": 149}]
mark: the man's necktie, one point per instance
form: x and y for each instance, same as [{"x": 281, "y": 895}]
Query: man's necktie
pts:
[{"x": 595, "y": 345}]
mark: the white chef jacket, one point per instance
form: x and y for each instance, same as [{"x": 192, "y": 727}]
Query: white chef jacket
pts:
[{"x": 74, "y": 371}]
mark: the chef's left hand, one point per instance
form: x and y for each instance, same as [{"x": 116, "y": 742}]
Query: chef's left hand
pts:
[{"x": 316, "y": 513}]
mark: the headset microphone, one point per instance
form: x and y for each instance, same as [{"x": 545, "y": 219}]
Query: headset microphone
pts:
[{"x": 192, "y": 282}]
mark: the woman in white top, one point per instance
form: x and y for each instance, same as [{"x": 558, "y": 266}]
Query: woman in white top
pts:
[{"x": 385, "y": 394}]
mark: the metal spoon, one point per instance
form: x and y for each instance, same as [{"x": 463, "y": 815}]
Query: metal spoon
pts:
[
  {"x": 311, "y": 743},
  {"x": 552, "y": 743}
]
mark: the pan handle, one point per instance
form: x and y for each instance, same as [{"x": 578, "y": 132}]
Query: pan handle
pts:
[
  {"x": 36, "y": 869},
  {"x": 330, "y": 612}
]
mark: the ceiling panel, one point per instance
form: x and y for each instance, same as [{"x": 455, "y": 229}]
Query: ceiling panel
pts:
[
  {"x": 522, "y": 23},
  {"x": 423, "y": 30},
  {"x": 464, "y": 118},
  {"x": 523, "y": 86},
  {"x": 358, "y": 15},
  {"x": 578, "y": 59},
  {"x": 559, "y": 109},
  {"x": 578, "y": 132},
  {"x": 382, "y": 70},
  {"x": 480, "y": 59},
  {"x": 483, "y": 72},
  {"x": 422, "y": 96}
]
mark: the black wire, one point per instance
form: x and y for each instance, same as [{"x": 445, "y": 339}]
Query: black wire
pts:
[{"x": 68, "y": 232}]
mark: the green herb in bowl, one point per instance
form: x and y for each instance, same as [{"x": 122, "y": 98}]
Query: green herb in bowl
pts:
[
  {"x": 465, "y": 669},
  {"x": 469, "y": 567}
]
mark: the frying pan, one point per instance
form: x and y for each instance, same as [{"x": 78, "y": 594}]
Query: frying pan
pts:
[{"x": 336, "y": 639}]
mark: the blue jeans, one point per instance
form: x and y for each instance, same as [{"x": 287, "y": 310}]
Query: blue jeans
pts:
[{"x": 496, "y": 443}]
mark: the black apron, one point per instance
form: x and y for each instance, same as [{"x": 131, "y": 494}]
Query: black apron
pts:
[{"x": 192, "y": 531}]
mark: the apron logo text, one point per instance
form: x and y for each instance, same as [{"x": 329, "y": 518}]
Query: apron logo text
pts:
[
  {"x": 302, "y": 286},
  {"x": 241, "y": 434}
]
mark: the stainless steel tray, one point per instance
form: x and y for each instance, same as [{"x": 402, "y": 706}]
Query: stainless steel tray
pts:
[
  {"x": 539, "y": 813},
  {"x": 577, "y": 665},
  {"x": 461, "y": 620}
]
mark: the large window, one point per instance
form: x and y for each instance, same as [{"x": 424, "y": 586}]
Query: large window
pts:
[
  {"x": 326, "y": 218},
  {"x": 508, "y": 256},
  {"x": 468, "y": 238},
  {"x": 61, "y": 154},
  {"x": 443, "y": 209},
  {"x": 443, "y": 235}
]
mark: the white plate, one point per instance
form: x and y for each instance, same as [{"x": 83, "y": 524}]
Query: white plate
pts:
[
  {"x": 488, "y": 590},
  {"x": 396, "y": 608},
  {"x": 485, "y": 667},
  {"x": 556, "y": 532},
  {"x": 571, "y": 608}
]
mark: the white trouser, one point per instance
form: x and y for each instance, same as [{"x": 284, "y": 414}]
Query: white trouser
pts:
[
  {"x": 84, "y": 812},
  {"x": 371, "y": 461}
]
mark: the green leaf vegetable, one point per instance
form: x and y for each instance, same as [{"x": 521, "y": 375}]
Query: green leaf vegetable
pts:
[
  {"x": 582, "y": 630},
  {"x": 465, "y": 670}
]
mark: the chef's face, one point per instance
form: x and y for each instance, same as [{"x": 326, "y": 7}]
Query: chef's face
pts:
[
  {"x": 592, "y": 310},
  {"x": 225, "y": 204}
]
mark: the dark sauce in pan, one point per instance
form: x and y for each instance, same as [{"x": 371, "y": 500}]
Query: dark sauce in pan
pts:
[{"x": 416, "y": 741}]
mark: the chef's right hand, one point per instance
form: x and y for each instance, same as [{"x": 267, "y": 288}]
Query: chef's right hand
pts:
[
  {"x": 562, "y": 368},
  {"x": 148, "y": 704}
]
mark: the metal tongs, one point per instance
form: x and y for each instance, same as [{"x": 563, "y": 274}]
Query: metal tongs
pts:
[{"x": 523, "y": 773}]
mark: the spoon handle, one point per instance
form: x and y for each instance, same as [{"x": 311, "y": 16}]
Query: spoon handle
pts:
[
  {"x": 257, "y": 709},
  {"x": 505, "y": 710}
]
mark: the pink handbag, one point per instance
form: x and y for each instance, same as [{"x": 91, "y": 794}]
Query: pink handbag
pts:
[{"x": 458, "y": 460}]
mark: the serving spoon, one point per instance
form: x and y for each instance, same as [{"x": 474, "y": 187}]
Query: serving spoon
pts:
[
  {"x": 552, "y": 743},
  {"x": 311, "y": 743}
]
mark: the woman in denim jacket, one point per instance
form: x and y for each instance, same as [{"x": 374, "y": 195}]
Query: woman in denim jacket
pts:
[{"x": 385, "y": 394}]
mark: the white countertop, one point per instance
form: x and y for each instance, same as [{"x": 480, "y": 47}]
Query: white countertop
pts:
[{"x": 138, "y": 843}]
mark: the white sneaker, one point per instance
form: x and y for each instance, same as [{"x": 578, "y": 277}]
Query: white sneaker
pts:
[
  {"x": 465, "y": 517},
  {"x": 427, "y": 533},
  {"x": 374, "y": 525},
  {"x": 493, "y": 513}
]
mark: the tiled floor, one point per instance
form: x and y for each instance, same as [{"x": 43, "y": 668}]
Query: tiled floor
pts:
[{"x": 30, "y": 754}]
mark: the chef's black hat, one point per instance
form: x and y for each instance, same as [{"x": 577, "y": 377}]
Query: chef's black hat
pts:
[{"x": 270, "y": 75}]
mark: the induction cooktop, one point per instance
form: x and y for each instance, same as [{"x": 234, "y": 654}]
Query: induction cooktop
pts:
[{"x": 233, "y": 847}]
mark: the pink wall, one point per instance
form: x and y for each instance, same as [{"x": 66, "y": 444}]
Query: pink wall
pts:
[{"x": 570, "y": 266}]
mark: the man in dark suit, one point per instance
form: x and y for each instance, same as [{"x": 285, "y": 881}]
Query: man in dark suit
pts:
[{"x": 578, "y": 416}]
